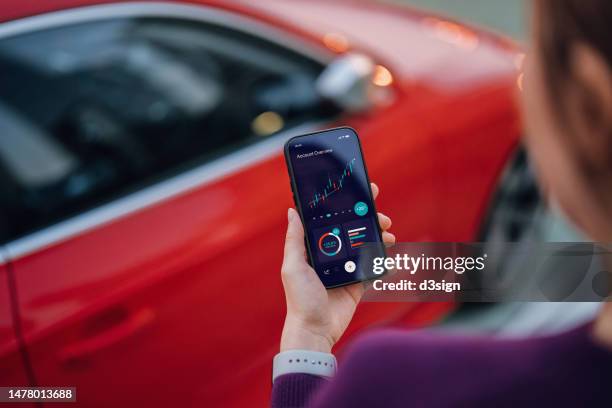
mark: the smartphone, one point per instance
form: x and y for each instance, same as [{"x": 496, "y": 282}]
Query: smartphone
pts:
[{"x": 332, "y": 194}]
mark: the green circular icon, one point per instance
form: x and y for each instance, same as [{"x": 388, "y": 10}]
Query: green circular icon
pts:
[
  {"x": 361, "y": 208},
  {"x": 336, "y": 231}
]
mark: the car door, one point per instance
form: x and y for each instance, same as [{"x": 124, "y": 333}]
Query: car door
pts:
[{"x": 143, "y": 163}]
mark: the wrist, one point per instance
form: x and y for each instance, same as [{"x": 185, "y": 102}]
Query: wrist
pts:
[{"x": 297, "y": 336}]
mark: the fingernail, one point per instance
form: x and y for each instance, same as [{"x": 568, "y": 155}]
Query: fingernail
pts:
[{"x": 289, "y": 214}]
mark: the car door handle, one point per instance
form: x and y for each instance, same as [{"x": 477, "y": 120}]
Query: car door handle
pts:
[{"x": 132, "y": 324}]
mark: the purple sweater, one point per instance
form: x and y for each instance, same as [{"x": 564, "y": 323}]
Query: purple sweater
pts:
[{"x": 393, "y": 368}]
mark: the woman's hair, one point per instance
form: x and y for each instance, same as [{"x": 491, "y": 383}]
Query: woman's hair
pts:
[
  {"x": 561, "y": 25},
  {"x": 566, "y": 22}
]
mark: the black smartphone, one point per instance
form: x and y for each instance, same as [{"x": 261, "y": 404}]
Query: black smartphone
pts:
[{"x": 332, "y": 193}]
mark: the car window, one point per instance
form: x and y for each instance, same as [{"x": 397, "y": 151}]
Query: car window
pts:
[{"x": 89, "y": 112}]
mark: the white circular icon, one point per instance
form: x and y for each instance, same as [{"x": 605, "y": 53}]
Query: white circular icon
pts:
[{"x": 350, "y": 266}]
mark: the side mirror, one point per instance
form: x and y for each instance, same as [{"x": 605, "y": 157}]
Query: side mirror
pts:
[{"x": 347, "y": 81}]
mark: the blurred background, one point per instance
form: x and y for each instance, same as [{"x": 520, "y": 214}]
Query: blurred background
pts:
[
  {"x": 143, "y": 190},
  {"x": 509, "y": 17}
]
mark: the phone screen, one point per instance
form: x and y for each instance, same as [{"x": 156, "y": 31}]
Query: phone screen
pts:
[{"x": 332, "y": 193}]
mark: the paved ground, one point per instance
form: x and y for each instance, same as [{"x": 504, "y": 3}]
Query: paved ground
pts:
[{"x": 506, "y": 16}]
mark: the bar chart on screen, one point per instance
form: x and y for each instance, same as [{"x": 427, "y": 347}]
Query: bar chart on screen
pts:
[{"x": 356, "y": 236}]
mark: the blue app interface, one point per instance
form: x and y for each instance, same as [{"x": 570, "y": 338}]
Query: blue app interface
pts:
[{"x": 334, "y": 196}]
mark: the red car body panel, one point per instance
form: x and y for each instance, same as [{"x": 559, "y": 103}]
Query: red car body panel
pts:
[
  {"x": 13, "y": 370},
  {"x": 180, "y": 303}
]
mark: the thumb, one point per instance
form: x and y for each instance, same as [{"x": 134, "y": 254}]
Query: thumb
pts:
[{"x": 294, "y": 240}]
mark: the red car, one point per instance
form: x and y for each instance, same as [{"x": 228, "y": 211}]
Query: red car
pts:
[{"x": 143, "y": 192}]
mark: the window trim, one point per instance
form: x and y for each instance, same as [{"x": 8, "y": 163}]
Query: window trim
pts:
[
  {"x": 183, "y": 182},
  {"x": 152, "y": 195}
]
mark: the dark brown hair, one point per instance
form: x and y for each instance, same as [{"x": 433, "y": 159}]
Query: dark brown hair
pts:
[{"x": 565, "y": 22}]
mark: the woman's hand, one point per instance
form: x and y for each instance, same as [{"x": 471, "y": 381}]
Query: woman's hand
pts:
[{"x": 316, "y": 317}]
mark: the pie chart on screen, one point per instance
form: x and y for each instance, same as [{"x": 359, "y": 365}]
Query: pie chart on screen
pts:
[{"x": 330, "y": 244}]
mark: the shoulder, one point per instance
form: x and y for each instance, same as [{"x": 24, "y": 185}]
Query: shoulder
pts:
[
  {"x": 430, "y": 369},
  {"x": 385, "y": 348},
  {"x": 416, "y": 363}
]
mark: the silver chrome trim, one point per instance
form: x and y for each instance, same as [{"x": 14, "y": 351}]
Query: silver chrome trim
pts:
[
  {"x": 154, "y": 194},
  {"x": 201, "y": 13},
  {"x": 183, "y": 182}
]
